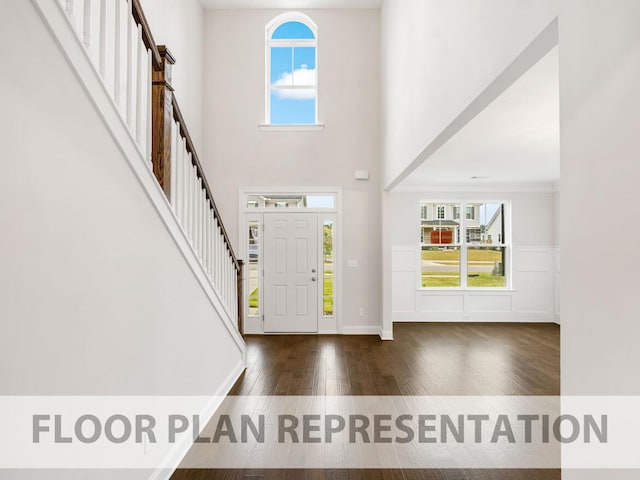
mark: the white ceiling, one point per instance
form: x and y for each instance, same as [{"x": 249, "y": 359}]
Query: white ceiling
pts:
[
  {"x": 515, "y": 140},
  {"x": 297, "y": 4}
]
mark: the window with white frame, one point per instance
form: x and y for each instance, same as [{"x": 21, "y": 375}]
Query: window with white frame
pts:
[
  {"x": 469, "y": 252},
  {"x": 291, "y": 73},
  {"x": 424, "y": 212},
  {"x": 253, "y": 253},
  {"x": 471, "y": 212}
]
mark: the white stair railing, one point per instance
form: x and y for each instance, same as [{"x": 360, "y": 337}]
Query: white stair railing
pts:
[
  {"x": 133, "y": 70},
  {"x": 194, "y": 208},
  {"x": 122, "y": 55}
]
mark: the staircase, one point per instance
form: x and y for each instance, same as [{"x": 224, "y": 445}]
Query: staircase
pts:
[{"x": 135, "y": 73}]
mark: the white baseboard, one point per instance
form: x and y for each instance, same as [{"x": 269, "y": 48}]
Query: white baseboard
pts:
[
  {"x": 461, "y": 317},
  {"x": 386, "y": 334},
  {"x": 361, "y": 330},
  {"x": 180, "y": 450},
  {"x": 328, "y": 332}
]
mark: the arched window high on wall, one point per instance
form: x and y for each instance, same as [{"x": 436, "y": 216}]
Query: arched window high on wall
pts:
[{"x": 291, "y": 73}]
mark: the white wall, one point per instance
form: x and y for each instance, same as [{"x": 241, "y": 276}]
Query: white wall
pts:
[
  {"x": 556, "y": 242},
  {"x": 600, "y": 115},
  {"x": 95, "y": 296},
  {"x": 179, "y": 25},
  {"x": 238, "y": 154},
  {"x": 532, "y": 297},
  {"x": 438, "y": 56},
  {"x": 599, "y": 118}
]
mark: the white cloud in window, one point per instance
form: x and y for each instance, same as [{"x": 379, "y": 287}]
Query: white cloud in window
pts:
[{"x": 302, "y": 77}]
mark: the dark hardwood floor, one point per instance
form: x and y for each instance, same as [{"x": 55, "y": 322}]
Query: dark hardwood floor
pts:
[{"x": 424, "y": 359}]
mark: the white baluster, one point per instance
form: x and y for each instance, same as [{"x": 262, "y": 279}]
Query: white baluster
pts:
[
  {"x": 234, "y": 296},
  {"x": 231, "y": 282},
  {"x": 204, "y": 229},
  {"x": 213, "y": 248},
  {"x": 203, "y": 235},
  {"x": 184, "y": 199},
  {"x": 86, "y": 25},
  {"x": 223, "y": 268},
  {"x": 205, "y": 226},
  {"x": 191, "y": 195},
  {"x": 117, "y": 69},
  {"x": 234, "y": 283},
  {"x": 130, "y": 65},
  {"x": 200, "y": 222},
  {"x": 209, "y": 238},
  {"x": 226, "y": 275},
  {"x": 226, "y": 282},
  {"x": 139, "y": 86},
  {"x": 216, "y": 257},
  {"x": 229, "y": 279},
  {"x": 149, "y": 80},
  {"x": 102, "y": 47},
  {"x": 183, "y": 182},
  {"x": 220, "y": 264},
  {"x": 185, "y": 178},
  {"x": 198, "y": 213},
  {"x": 189, "y": 208},
  {"x": 192, "y": 213},
  {"x": 179, "y": 173},
  {"x": 174, "y": 168}
]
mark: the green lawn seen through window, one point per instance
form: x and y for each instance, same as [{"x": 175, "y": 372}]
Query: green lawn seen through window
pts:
[
  {"x": 327, "y": 296},
  {"x": 441, "y": 267}
]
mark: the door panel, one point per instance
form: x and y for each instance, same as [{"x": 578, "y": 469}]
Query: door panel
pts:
[{"x": 291, "y": 272}]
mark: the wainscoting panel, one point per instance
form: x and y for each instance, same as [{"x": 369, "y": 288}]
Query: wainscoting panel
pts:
[
  {"x": 441, "y": 302},
  {"x": 532, "y": 298}
]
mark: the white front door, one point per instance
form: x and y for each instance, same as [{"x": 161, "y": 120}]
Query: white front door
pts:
[{"x": 291, "y": 272}]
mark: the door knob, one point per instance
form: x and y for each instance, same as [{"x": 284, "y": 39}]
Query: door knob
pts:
[
  {"x": 313, "y": 270},
  {"x": 313, "y": 279}
]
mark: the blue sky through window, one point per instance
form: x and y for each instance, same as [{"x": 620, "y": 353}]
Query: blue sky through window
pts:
[
  {"x": 292, "y": 69},
  {"x": 293, "y": 30}
]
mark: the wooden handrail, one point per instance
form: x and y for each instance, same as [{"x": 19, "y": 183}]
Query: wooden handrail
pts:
[
  {"x": 192, "y": 199},
  {"x": 195, "y": 160},
  {"x": 147, "y": 36}
]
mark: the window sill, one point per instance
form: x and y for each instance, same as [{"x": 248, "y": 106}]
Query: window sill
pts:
[
  {"x": 467, "y": 290},
  {"x": 291, "y": 128}
]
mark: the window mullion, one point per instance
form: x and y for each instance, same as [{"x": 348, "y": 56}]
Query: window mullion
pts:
[
  {"x": 293, "y": 70},
  {"x": 463, "y": 248}
]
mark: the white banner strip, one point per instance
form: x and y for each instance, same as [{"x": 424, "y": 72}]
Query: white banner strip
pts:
[{"x": 319, "y": 432}]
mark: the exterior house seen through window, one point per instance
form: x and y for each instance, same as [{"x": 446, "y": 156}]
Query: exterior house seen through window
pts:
[
  {"x": 292, "y": 94},
  {"x": 463, "y": 253}
]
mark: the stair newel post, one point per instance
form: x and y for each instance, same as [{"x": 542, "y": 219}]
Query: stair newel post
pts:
[
  {"x": 162, "y": 114},
  {"x": 240, "y": 279}
]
